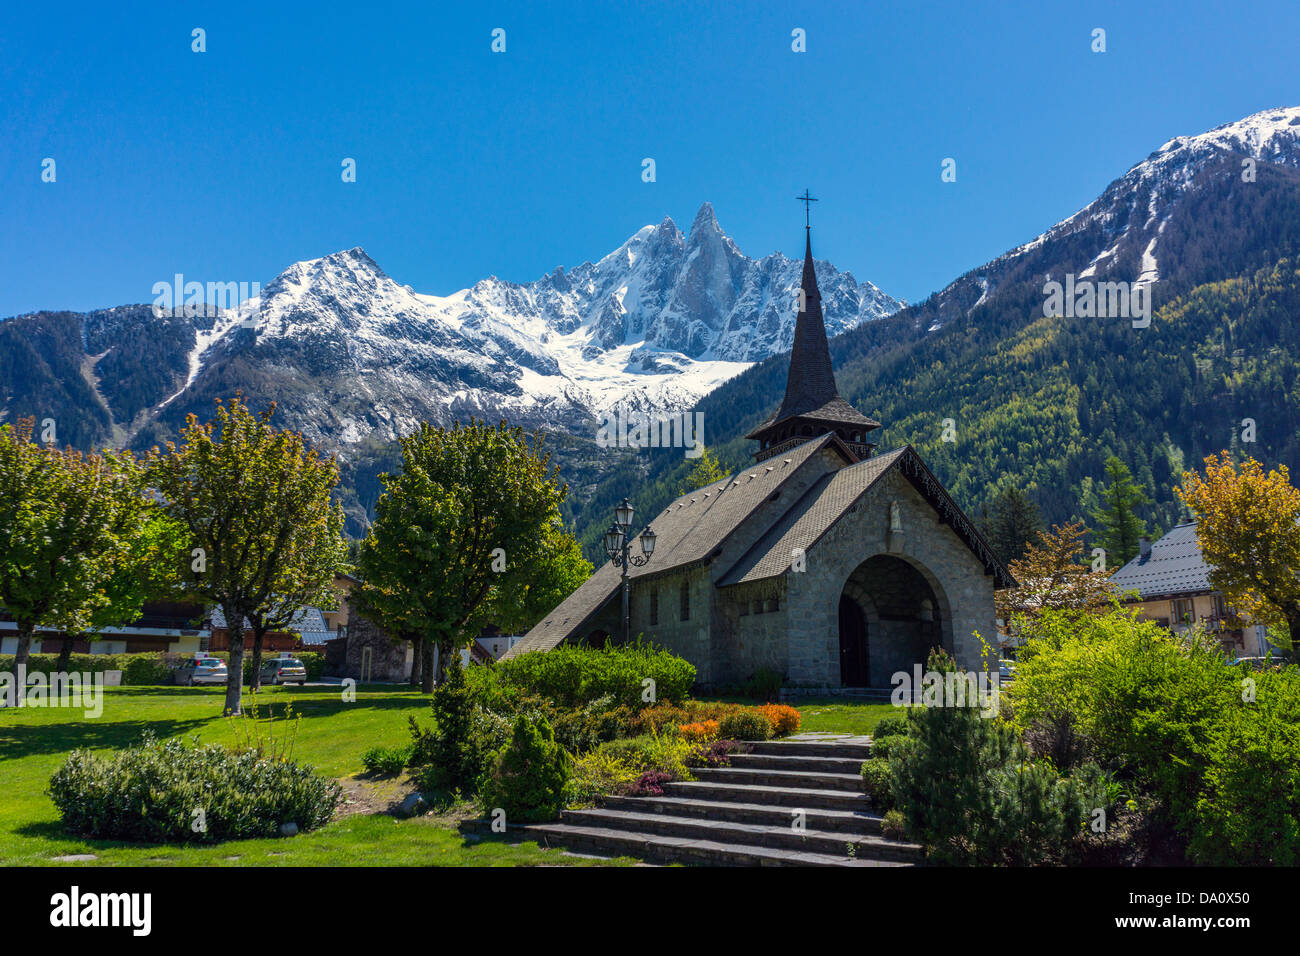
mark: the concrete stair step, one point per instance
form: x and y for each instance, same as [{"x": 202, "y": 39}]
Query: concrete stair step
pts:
[
  {"x": 781, "y": 836},
  {"x": 794, "y": 797},
  {"x": 674, "y": 849},
  {"x": 816, "y": 818},
  {"x": 810, "y": 748},
  {"x": 800, "y": 779},
  {"x": 797, "y": 762}
]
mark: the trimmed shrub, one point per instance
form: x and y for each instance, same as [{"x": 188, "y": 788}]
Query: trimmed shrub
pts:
[
  {"x": 785, "y": 720},
  {"x": 893, "y": 826},
  {"x": 891, "y": 725},
  {"x": 745, "y": 725},
  {"x": 527, "y": 779},
  {"x": 877, "y": 781},
  {"x": 572, "y": 676},
  {"x": 883, "y": 747},
  {"x": 149, "y": 793},
  {"x": 386, "y": 761}
]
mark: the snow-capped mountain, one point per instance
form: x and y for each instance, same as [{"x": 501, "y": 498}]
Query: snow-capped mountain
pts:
[
  {"x": 1150, "y": 226},
  {"x": 657, "y": 323}
]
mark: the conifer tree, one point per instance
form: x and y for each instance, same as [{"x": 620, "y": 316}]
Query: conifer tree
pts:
[{"x": 1121, "y": 528}]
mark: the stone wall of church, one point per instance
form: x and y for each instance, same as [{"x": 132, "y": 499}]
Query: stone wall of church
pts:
[
  {"x": 750, "y": 631},
  {"x": 689, "y": 637},
  {"x": 963, "y": 591}
]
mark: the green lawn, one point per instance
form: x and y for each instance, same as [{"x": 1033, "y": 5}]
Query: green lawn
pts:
[
  {"x": 835, "y": 715},
  {"x": 331, "y": 736},
  {"x": 830, "y": 715}
]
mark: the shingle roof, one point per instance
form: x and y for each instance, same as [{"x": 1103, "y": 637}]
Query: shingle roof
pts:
[
  {"x": 688, "y": 530},
  {"x": 1175, "y": 566},
  {"x": 810, "y": 517},
  {"x": 309, "y": 622}
]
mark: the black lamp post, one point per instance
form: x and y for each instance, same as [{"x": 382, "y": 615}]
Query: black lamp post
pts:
[{"x": 618, "y": 546}]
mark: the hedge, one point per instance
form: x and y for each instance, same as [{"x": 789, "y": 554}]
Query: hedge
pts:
[{"x": 146, "y": 669}]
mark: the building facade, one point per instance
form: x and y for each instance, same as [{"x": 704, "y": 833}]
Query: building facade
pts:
[{"x": 824, "y": 562}]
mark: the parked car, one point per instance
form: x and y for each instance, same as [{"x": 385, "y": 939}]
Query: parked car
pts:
[
  {"x": 283, "y": 670},
  {"x": 201, "y": 670},
  {"x": 1006, "y": 670}
]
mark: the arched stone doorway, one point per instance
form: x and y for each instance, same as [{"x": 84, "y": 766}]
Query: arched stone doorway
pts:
[{"x": 891, "y": 614}]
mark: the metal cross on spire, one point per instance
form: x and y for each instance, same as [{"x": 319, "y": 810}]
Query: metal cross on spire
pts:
[{"x": 807, "y": 200}]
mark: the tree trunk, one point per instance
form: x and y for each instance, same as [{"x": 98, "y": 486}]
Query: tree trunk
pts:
[
  {"x": 235, "y": 665},
  {"x": 417, "y": 663},
  {"x": 21, "y": 654},
  {"x": 426, "y": 671},
  {"x": 255, "y": 678},
  {"x": 65, "y": 655}
]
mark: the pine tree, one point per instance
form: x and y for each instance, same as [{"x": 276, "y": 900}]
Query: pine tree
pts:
[
  {"x": 1121, "y": 528},
  {"x": 1012, "y": 523}
]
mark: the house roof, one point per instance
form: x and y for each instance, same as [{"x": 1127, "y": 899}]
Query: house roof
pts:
[
  {"x": 687, "y": 531},
  {"x": 1175, "y": 566},
  {"x": 309, "y": 622}
]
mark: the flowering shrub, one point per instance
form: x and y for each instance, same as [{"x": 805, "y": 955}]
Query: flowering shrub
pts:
[
  {"x": 784, "y": 719},
  {"x": 699, "y": 732}
]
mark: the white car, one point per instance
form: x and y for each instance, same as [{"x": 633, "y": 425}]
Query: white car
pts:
[{"x": 202, "y": 670}]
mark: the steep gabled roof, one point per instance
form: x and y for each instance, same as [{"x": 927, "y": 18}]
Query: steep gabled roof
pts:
[
  {"x": 827, "y": 501},
  {"x": 688, "y": 531},
  {"x": 1174, "y": 566}
]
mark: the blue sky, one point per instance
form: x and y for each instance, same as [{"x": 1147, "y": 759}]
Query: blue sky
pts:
[{"x": 225, "y": 165}]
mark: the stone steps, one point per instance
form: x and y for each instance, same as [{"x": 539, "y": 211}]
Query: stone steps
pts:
[
  {"x": 668, "y": 849},
  {"x": 779, "y": 836},
  {"x": 850, "y": 765},
  {"x": 860, "y": 821},
  {"x": 792, "y": 779},
  {"x": 746, "y": 814},
  {"x": 809, "y": 748}
]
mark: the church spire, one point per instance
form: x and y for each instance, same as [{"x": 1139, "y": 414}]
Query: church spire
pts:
[
  {"x": 811, "y": 382},
  {"x": 812, "y": 405}
]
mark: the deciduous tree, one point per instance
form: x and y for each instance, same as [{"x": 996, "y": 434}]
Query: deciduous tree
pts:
[
  {"x": 67, "y": 520},
  {"x": 470, "y": 517},
  {"x": 1051, "y": 578},
  {"x": 1248, "y": 526},
  {"x": 256, "y": 504}
]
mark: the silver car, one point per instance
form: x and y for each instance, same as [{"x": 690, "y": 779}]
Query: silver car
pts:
[
  {"x": 283, "y": 670},
  {"x": 202, "y": 670}
]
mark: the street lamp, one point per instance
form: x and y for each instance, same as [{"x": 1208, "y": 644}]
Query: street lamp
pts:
[{"x": 619, "y": 547}]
